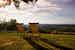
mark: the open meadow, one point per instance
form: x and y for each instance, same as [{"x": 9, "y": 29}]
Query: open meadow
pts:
[
  {"x": 12, "y": 41},
  {"x": 60, "y": 39}
]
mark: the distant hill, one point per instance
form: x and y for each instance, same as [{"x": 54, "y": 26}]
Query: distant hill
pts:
[{"x": 59, "y": 27}]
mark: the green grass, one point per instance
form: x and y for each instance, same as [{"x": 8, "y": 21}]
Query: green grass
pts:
[
  {"x": 63, "y": 40},
  {"x": 18, "y": 43},
  {"x": 60, "y": 39},
  {"x": 45, "y": 45}
]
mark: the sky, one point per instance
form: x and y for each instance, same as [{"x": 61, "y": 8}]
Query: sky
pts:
[{"x": 44, "y": 12}]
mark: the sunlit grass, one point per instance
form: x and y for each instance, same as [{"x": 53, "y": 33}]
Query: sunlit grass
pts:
[
  {"x": 63, "y": 40},
  {"x": 17, "y": 43},
  {"x": 59, "y": 39}
]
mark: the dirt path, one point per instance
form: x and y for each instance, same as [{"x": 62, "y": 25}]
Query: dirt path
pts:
[{"x": 7, "y": 43}]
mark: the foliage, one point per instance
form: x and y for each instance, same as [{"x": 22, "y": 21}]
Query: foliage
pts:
[{"x": 4, "y": 26}]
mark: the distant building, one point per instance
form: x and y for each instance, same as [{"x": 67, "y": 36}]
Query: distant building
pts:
[
  {"x": 34, "y": 27},
  {"x": 20, "y": 27}
]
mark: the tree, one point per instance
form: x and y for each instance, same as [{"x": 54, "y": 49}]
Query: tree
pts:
[
  {"x": 17, "y": 2},
  {"x": 8, "y": 26},
  {"x": 11, "y": 26}
]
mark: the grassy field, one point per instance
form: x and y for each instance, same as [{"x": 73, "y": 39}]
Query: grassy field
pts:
[
  {"x": 62, "y": 40},
  {"x": 12, "y": 41}
]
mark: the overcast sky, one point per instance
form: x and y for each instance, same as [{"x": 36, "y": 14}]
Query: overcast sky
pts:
[{"x": 44, "y": 12}]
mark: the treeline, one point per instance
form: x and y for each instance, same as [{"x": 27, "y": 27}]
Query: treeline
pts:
[
  {"x": 43, "y": 28},
  {"x": 8, "y": 26}
]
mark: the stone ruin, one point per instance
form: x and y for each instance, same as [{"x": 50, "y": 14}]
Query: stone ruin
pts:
[{"x": 33, "y": 28}]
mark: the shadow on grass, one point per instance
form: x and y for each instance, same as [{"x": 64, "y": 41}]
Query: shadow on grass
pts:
[
  {"x": 56, "y": 45},
  {"x": 37, "y": 46}
]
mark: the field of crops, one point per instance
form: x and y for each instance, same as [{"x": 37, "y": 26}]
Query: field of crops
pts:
[{"x": 12, "y": 41}]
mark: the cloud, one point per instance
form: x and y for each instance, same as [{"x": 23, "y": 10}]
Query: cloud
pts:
[
  {"x": 44, "y": 11},
  {"x": 45, "y": 8},
  {"x": 28, "y": 11}
]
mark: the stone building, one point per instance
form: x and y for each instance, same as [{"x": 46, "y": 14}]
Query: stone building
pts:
[
  {"x": 34, "y": 28},
  {"x": 20, "y": 27},
  {"x": 20, "y": 30}
]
